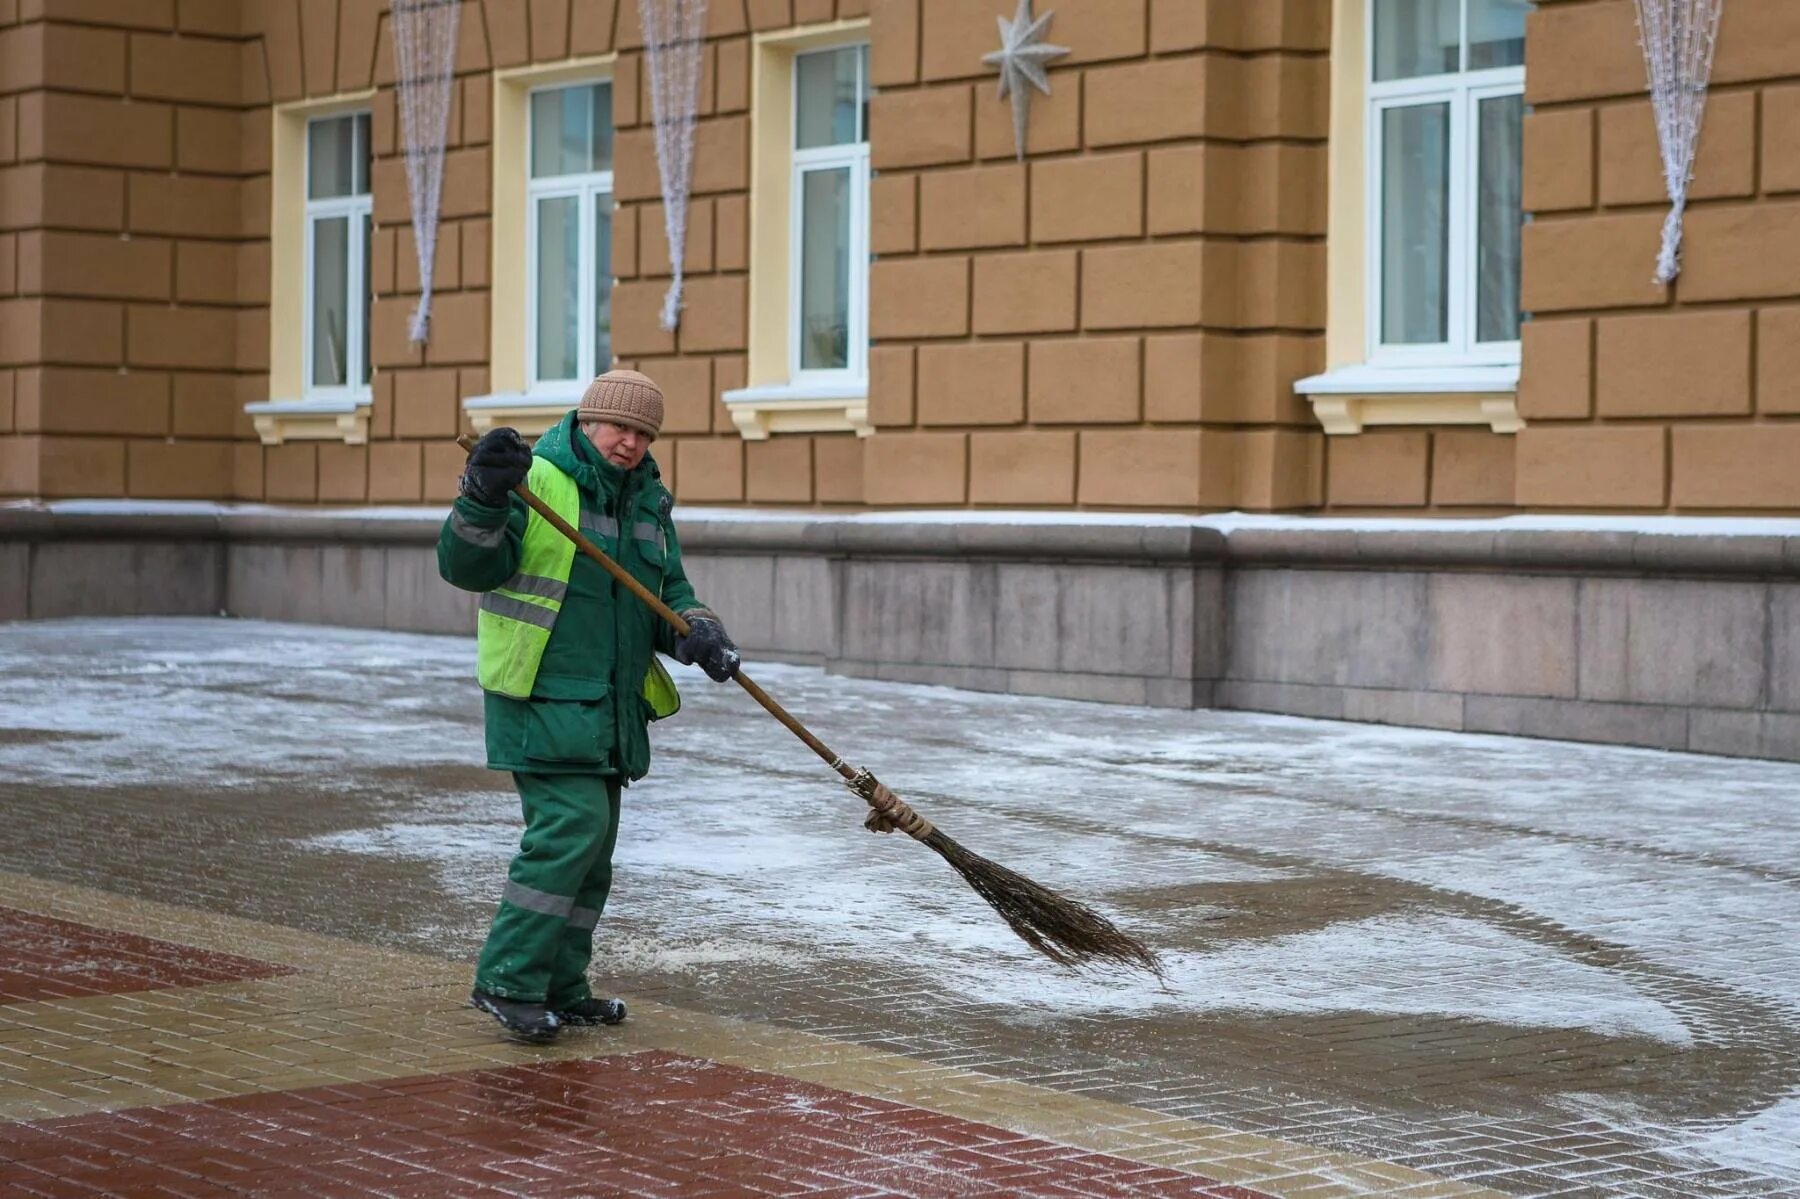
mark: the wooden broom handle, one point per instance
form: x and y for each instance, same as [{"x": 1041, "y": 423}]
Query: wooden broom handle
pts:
[{"x": 671, "y": 616}]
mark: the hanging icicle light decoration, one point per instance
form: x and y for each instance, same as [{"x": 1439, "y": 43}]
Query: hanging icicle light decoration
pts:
[
  {"x": 425, "y": 71},
  {"x": 674, "y": 47},
  {"x": 1678, "y": 37}
]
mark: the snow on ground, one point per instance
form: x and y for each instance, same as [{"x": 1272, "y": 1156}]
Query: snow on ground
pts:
[
  {"x": 1504, "y": 862},
  {"x": 1391, "y": 965},
  {"x": 1770, "y": 1139},
  {"x": 1666, "y": 526}
]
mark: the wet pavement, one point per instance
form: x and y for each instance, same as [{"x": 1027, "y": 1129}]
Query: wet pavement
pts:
[{"x": 1532, "y": 967}]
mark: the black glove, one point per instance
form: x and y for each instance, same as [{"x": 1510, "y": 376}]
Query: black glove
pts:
[
  {"x": 707, "y": 645},
  {"x": 498, "y": 463}
]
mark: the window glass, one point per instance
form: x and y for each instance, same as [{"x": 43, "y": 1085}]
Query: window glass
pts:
[
  {"x": 829, "y": 104},
  {"x": 1500, "y": 217},
  {"x": 600, "y": 101},
  {"x": 559, "y": 135},
  {"x": 862, "y": 116},
  {"x": 338, "y": 232},
  {"x": 1497, "y": 33},
  {"x": 558, "y": 284},
  {"x": 825, "y": 270},
  {"x": 366, "y": 372},
  {"x": 331, "y": 166},
  {"x": 571, "y": 130},
  {"x": 571, "y": 142},
  {"x": 1446, "y": 105},
  {"x": 1417, "y": 37},
  {"x": 359, "y": 182},
  {"x": 330, "y": 301},
  {"x": 602, "y": 283},
  {"x": 1415, "y": 224}
]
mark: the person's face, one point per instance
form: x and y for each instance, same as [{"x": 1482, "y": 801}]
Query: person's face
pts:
[{"x": 621, "y": 445}]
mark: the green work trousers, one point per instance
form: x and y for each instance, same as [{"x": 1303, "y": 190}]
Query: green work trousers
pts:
[{"x": 542, "y": 937}]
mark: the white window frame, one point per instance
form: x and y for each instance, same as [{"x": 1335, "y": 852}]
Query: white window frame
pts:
[
  {"x": 356, "y": 269},
  {"x": 853, "y": 156},
  {"x": 1463, "y": 92},
  {"x": 588, "y": 189}
]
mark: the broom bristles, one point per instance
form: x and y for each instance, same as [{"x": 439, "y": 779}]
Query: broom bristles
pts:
[
  {"x": 1068, "y": 933},
  {"x": 1063, "y": 930}
]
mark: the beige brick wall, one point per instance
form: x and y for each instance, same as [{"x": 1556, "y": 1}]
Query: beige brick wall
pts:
[
  {"x": 1101, "y": 323},
  {"x": 1115, "y": 322},
  {"x": 1640, "y": 396},
  {"x": 124, "y": 322}
]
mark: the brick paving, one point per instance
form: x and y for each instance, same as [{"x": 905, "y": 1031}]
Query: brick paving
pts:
[
  {"x": 641, "y": 1124},
  {"x": 1402, "y": 963},
  {"x": 45, "y": 958},
  {"x": 353, "y": 1070}
]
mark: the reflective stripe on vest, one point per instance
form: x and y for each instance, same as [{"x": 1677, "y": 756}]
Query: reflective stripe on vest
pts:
[{"x": 524, "y": 584}]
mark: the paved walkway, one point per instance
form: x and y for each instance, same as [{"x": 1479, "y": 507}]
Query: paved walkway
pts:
[{"x": 246, "y": 864}]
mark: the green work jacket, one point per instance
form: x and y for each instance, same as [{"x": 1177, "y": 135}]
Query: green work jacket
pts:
[{"x": 586, "y": 713}]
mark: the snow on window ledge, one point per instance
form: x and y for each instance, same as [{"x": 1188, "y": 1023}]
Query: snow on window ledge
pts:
[
  {"x": 1349, "y": 398},
  {"x": 760, "y": 412},
  {"x": 339, "y": 418},
  {"x": 532, "y": 413}
]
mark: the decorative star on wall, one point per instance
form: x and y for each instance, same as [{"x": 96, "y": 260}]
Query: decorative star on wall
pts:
[{"x": 1021, "y": 58}]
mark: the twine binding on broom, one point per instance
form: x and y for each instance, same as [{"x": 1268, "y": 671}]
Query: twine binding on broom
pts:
[{"x": 888, "y": 811}]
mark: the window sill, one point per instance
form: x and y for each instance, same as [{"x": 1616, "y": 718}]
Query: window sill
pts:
[
  {"x": 1349, "y": 398},
  {"x": 280, "y": 421},
  {"x": 760, "y": 412},
  {"x": 531, "y": 413}
]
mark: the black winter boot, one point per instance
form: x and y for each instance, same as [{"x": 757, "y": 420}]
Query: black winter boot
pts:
[
  {"x": 592, "y": 1011},
  {"x": 528, "y": 1022}
]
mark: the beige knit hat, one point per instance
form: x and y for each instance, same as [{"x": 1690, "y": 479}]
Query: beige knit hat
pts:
[{"x": 626, "y": 398}]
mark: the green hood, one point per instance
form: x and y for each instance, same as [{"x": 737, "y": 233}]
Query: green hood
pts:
[{"x": 566, "y": 448}]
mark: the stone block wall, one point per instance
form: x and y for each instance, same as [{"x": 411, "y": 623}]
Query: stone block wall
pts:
[
  {"x": 1118, "y": 320},
  {"x": 136, "y": 255},
  {"x": 128, "y": 289},
  {"x": 1638, "y": 395},
  {"x": 1671, "y": 636},
  {"x": 135, "y": 157},
  {"x": 1115, "y": 322}
]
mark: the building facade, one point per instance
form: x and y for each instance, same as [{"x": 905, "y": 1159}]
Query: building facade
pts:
[{"x": 1286, "y": 255}]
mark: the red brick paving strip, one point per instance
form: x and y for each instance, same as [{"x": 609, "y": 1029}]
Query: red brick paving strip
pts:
[
  {"x": 644, "y": 1124},
  {"x": 45, "y": 958}
]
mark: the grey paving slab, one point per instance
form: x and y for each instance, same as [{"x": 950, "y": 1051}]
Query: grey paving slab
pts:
[{"x": 1543, "y": 967}]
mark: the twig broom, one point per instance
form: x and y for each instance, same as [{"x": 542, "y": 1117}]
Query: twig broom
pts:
[{"x": 1067, "y": 932}]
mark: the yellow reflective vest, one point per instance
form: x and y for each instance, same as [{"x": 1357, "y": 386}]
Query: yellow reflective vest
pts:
[{"x": 514, "y": 621}]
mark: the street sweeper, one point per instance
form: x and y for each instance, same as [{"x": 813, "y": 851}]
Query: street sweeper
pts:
[{"x": 566, "y": 658}]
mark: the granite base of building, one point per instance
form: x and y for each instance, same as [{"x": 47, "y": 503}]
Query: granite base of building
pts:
[{"x": 1673, "y": 633}]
